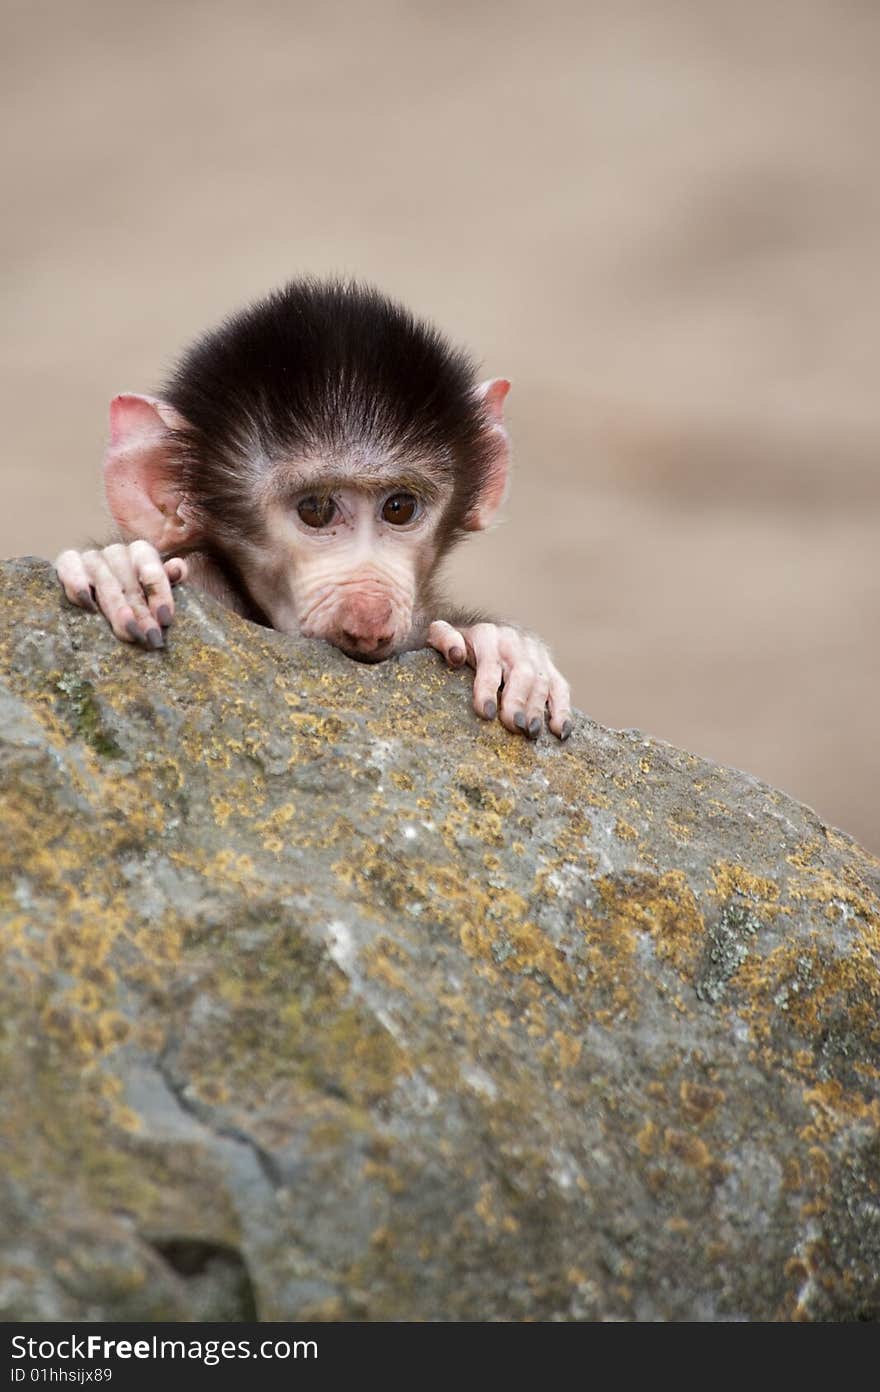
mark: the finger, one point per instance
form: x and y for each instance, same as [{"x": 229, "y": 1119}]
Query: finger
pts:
[
  {"x": 559, "y": 705},
  {"x": 535, "y": 660},
  {"x": 115, "y": 604},
  {"x": 75, "y": 580},
  {"x": 484, "y": 657},
  {"x": 152, "y": 579},
  {"x": 519, "y": 678},
  {"x": 142, "y": 627},
  {"x": 537, "y": 704},
  {"x": 177, "y": 570},
  {"x": 111, "y": 600},
  {"x": 448, "y": 641}
]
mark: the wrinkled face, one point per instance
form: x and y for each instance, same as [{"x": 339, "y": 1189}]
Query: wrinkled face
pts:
[{"x": 346, "y": 553}]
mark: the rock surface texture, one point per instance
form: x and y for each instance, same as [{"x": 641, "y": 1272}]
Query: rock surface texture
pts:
[{"x": 322, "y": 999}]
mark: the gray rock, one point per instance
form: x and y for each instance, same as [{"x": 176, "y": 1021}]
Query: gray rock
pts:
[{"x": 323, "y": 999}]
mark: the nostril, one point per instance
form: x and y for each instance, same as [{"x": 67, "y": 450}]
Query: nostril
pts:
[{"x": 365, "y": 642}]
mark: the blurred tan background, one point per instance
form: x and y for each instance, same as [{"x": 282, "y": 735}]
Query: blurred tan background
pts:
[{"x": 661, "y": 220}]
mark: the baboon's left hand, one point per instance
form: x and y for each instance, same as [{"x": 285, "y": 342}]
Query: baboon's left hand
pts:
[{"x": 514, "y": 676}]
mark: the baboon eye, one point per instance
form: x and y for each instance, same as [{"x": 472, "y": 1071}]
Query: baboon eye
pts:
[
  {"x": 400, "y": 508},
  {"x": 317, "y": 512}
]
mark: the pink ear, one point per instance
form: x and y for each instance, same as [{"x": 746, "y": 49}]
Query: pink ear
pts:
[
  {"x": 134, "y": 417},
  {"x": 139, "y": 480},
  {"x": 491, "y": 395}
]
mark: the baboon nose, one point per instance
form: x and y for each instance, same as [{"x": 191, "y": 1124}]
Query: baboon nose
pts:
[
  {"x": 365, "y": 642},
  {"x": 366, "y": 625}
]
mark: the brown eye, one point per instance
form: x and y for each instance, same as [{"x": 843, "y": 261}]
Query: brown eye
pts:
[
  {"x": 317, "y": 512},
  {"x": 400, "y": 508}
]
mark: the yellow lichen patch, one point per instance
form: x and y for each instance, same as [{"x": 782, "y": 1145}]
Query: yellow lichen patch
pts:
[
  {"x": 534, "y": 1017},
  {"x": 804, "y": 855},
  {"x": 646, "y": 1138},
  {"x": 812, "y": 985},
  {"x": 235, "y": 867},
  {"x": 491, "y": 922},
  {"x": 569, "y": 1049},
  {"x": 384, "y": 960},
  {"x": 367, "y": 1061},
  {"x": 624, "y": 831},
  {"x": 340, "y": 830},
  {"x": 842, "y": 899},
  {"x": 572, "y": 839},
  {"x": 222, "y": 810},
  {"x": 693, "y": 1152},
  {"x": 663, "y": 906},
  {"x": 681, "y": 824},
  {"x": 609, "y": 954},
  {"x": 323, "y": 729},
  {"x": 831, "y": 1108},
  {"x": 275, "y": 829},
  {"x": 731, "y": 880},
  {"x": 83, "y": 1033},
  {"x": 698, "y": 1101},
  {"x": 526, "y": 948},
  {"x": 160, "y": 942},
  {"x": 476, "y": 809},
  {"x": 241, "y": 799},
  {"x": 868, "y": 1071},
  {"x": 820, "y": 1166},
  {"x": 217, "y": 665},
  {"x": 56, "y": 852},
  {"x": 127, "y": 1120},
  {"x": 213, "y": 751}
]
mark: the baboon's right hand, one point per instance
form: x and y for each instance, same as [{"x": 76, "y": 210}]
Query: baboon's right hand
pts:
[{"x": 129, "y": 583}]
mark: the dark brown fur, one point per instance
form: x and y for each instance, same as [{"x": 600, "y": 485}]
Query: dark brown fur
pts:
[{"x": 322, "y": 369}]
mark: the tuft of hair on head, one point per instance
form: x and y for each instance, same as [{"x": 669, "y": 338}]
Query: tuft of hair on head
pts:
[{"x": 324, "y": 369}]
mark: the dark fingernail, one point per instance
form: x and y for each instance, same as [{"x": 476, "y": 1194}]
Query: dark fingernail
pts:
[
  {"x": 154, "y": 638},
  {"x": 566, "y": 730},
  {"x": 456, "y": 656},
  {"x": 85, "y": 599},
  {"x": 535, "y": 728},
  {"x": 163, "y": 614},
  {"x": 133, "y": 631},
  {"x": 519, "y": 720},
  {"x": 490, "y": 710}
]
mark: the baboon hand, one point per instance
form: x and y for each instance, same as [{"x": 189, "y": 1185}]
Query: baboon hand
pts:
[
  {"x": 129, "y": 583},
  {"x": 514, "y": 676}
]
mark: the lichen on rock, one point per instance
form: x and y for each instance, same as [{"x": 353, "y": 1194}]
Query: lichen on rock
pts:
[{"x": 323, "y": 999}]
